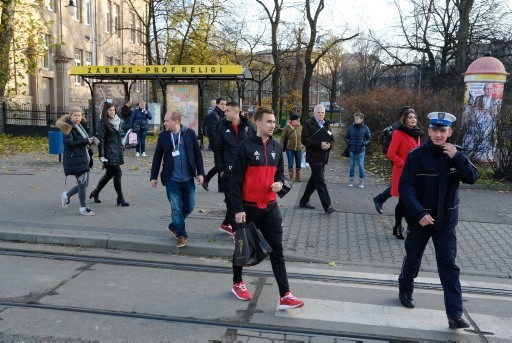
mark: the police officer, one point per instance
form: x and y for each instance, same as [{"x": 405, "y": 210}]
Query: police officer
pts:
[{"x": 429, "y": 188}]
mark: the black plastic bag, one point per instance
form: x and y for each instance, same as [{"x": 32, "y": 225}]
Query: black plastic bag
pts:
[
  {"x": 250, "y": 246},
  {"x": 345, "y": 152},
  {"x": 287, "y": 185}
]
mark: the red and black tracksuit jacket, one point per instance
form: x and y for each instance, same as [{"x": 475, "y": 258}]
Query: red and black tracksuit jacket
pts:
[{"x": 256, "y": 167}]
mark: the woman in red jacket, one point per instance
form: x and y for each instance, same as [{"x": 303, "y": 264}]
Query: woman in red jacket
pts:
[{"x": 405, "y": 138}]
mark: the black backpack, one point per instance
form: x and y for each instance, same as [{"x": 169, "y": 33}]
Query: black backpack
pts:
[{"x": 385, "y": 136}]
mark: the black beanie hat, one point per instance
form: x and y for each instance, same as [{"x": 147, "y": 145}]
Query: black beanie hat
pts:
[{"x": 402, "y": 111}]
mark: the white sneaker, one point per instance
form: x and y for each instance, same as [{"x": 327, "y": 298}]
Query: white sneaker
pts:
[
  {"x": 361, "y": 185},
  {"x": 86, "y": 211},
  {"x": 64, "y": 199},
  {"x": 144, "y": 154},
  {"x": 351, "y": 185},
  {"x": 137, "y": 154}
]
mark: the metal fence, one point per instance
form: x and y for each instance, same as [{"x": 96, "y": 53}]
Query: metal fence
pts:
[{"x": 28, "y": 120}]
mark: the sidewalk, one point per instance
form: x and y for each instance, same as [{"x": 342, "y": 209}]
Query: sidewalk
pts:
[{"x": 30, "y": 188}]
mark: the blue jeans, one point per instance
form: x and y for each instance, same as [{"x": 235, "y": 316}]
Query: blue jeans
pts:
[
  {"x": 360, "y": 164},
  {"x": 141, "y": 140},
  {"x": 181, "y": 195},
  {"x": 294, "y": 155}
]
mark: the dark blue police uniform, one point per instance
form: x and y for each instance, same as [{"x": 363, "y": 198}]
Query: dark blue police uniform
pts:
[{"x": 429, "y": 185}]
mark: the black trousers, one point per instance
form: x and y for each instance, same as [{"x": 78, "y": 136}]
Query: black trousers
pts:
[
  {"x": 317, "y": 182},
  {"x": 268, "y": 221},
  {"x": 445, "y": 244},
  {"x": 224, "y": 186}
]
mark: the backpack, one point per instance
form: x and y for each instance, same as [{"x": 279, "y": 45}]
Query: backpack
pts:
[{"x": 385, "y": 136}]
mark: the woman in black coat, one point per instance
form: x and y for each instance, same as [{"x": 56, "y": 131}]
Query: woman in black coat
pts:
[
  {"x": 77, "y": 160},
  {"x": 110, "y": 151}
]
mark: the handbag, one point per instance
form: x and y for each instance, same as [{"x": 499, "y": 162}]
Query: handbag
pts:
[
  {"x": 287, "y": 185},
  {"x": 250, "y": 246},
  {"x": 136, "y": 126},
  {"x": 345, "y": 152},
  {"x": 91, "y": 154}
]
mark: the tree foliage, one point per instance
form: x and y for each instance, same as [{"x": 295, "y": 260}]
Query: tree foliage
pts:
[{"x": 20, "y": 49}]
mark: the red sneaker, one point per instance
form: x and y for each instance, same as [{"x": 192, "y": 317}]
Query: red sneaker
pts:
[
  {"x": 289, "y": 301},
  {"x": 241, "y": 291},
  {"x": 227, "y": 229}
]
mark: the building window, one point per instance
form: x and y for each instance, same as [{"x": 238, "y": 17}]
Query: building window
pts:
[
  {"x": 47, "y": 51},
  {"x": 110, "y": 61},
  {"x": 132, "y": 27},
  {"x": 139, "y": 31},
  {"x": 117, "y": 62},
  {"x": 88, "y": 58},
  {"x": 50, "y": 5},
  {"x": 78, "y": 62},
  {"x": 108, "y": 17},
  {"x": 88, "y": 12},
  {"x": 78, "y": 10},
  {"x": 117, "y": 20}
]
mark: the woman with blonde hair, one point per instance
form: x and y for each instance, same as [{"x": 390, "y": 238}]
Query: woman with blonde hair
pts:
[{"x": 77, "y": 159}]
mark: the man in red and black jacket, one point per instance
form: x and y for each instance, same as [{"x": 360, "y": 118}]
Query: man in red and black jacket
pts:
[{"x": 257, "y": 176}]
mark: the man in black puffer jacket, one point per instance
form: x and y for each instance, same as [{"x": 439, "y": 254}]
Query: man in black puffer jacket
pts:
[{"x": 231, "y": 131}]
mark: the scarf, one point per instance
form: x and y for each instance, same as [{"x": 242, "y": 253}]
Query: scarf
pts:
[
  {"x": 115, "y": 122},
  {"x": 413, "y": 132},
  {"x": 81, "y": 130}
]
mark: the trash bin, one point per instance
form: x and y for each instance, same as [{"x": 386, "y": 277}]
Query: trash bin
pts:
[{"x": 56, "y": 143}]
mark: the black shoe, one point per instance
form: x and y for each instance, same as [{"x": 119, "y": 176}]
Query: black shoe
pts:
[
  {"x": 120, "y": 201},
  {"x": 406, "y": 300},
  {"x": 306, "y": 205},
  {"x": 378, "y": 204},
  {"x": 398, "y": 231},
  {"x": 457, "y": 323},
  {"x": 95, "y": 196},
  {"x": 205, "y": 185},
  {"x": 330, "y": 210}
]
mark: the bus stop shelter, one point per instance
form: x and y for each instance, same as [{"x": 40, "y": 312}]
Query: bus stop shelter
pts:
[{"x": 182, "y": 86}]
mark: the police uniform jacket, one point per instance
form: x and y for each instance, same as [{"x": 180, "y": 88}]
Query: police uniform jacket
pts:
[
  {"x": 256, "y": 167},
  {"x": 227, "y": 141},
  {"x": 314, "y": 151},
  {"x": 164, "y": 149},
  {"x": 430, "y": 185}
]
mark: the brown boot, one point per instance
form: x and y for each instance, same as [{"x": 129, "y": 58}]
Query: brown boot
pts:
[
  {"x": 297, "y": 175},
  {"x": 290, "y": 174}
]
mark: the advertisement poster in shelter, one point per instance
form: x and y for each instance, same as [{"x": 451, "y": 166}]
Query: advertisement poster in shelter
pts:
[
  {"x": 184, "y": 98},
  {"x": 112, "y": 92}
]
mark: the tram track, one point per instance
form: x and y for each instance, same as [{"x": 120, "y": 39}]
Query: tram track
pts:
[
  {"x": 229, "y": 325},
  {"x": 227, "y": 270}
]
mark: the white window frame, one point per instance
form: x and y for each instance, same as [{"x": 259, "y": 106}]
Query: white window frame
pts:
[
  {"x": 132, "y": 27},
  {"x": 79, "y": 59},
  {"x": 88, "y": 12},
  {"x": 78, "y": 11},
  {"x": 117, "y": 19},
  {"x": 47, "y": 39},
  {"x": 108, "y": 17}
]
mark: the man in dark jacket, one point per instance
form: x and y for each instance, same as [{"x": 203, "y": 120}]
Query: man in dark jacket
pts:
[
  {"x": 212, "y": 120},
  {"x": 317, "y": 155},
  {"x": 126, "y": 114},
  {"x": 231, "y": 131},
  {"x": 257, "y": 177},
  {"x": 429, "y": 188},
  {"x": 139, "y": 124},
  {"x": 182, "y": 161}
]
